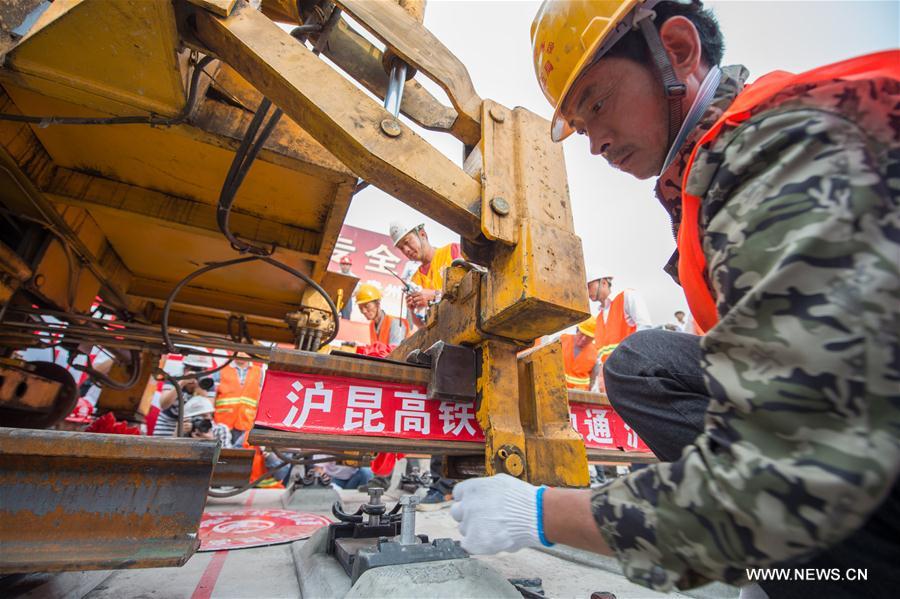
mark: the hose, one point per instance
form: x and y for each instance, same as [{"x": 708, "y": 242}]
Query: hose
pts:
[
  {"x": 105, "y": 381},
  {"x": 248, "y": 486},
  {"x": 170, "y": 347},
  {"x": 239, "y": 168}
]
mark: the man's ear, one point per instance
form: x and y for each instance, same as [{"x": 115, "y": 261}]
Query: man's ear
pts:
[{"x": 682, "y": 43}]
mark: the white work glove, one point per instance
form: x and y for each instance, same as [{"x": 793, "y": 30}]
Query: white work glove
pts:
[{"x": 497, "y": 513}]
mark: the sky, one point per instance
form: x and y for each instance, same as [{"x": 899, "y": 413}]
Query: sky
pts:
[{"x": 624, "y": 231}]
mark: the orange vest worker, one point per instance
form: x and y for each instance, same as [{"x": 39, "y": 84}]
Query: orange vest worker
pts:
[
  {"x": 691, "y": 260},
  {"x": 610, "y": 334},
  {"x": 235, "y": 402},
  {"x": 579, "y": 368},
  {"x": 383, "y": 335},
  {"x": 431, "y": 275}
]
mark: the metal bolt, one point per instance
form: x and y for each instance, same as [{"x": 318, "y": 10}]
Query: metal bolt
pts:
[
  {"x": 500, "y": 206},
  {"x": 513, "y": 465},
  {"x": 408, "y": 520},
  {"x": 391, "y": 128},
  {"x": 495, "y": 113}
]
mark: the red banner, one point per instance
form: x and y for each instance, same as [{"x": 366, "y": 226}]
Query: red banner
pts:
[{"x": 339, "y": 405}]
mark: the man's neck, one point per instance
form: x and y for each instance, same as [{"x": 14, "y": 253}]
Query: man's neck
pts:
[
  {"x": 378, "y": 318},
  {"x": 427, "y": 253}
]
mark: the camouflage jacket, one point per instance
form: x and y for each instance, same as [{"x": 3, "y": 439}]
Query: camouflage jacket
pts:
[{"x": 801, "y": 231}]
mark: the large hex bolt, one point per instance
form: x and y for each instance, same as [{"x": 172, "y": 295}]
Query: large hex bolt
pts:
[
  {"x": 374, "y": 508},
  {"x": 408, "y": 520}
]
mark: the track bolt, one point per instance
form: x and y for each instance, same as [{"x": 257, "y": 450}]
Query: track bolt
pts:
[
  {"x": 391, "y": 128},
  {"x": 513, "y": 465},
  {"x": 500, "y": 206},
  {"x": 495, "y": 113}
]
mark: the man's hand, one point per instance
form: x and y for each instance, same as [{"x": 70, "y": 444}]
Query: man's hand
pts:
[
  {"x": 420, "y": 298},
  {"x": 498, "y": 513}
]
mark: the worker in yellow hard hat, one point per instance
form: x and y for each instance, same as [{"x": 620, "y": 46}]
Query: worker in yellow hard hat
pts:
[
  {"x": 778, "y": 432},
  {"x": 413, "y": 242},
  {"x": 580, "y": 355},
  {"x": 383, "y": 328}
]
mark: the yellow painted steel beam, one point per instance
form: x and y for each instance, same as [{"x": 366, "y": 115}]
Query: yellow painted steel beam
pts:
[
  {"x": 343, "y": 118},
  {"x": 98, "y": 194},
  {"x": 555, "y": 452},
  {"x": 414, "y": 44}
]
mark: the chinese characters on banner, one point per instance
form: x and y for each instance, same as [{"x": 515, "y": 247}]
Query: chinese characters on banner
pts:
[
  {"x": 338, "y": 405},
  {"x": 374, "y": 257}
]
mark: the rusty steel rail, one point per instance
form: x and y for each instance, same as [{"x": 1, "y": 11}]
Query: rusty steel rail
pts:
[{"x": 88, "y": 501}]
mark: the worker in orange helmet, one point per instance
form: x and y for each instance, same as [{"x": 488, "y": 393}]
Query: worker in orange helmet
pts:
[
  {"x": 383, "y": 328},
  {"x": 778, "y": 432},
  {"x": 580, "y": 356},
  {"x": 237, "y": 395},
  {"x": 413, "y": 242}
]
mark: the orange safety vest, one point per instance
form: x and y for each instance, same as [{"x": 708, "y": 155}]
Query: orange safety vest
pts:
[
  {"x": 236, "y": 403},
  {"x": 608, "y": 335},
  {"x": 691, "y": 260},
  {"x": 578, "y": 369},
  {"x": 431, "y": 275},
  {"x": 383, "y": 335}
]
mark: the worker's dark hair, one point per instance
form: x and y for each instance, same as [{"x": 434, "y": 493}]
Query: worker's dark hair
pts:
[
  {"x": 677, "y": 312},
  {"x": 712, "y": 45}
]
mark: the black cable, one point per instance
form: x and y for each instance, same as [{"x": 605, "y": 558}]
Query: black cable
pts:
[
  {"x": 153, "y": 120},
  {"x": 238, "y": 170},
  {"x": 103, "y": 380},
  {"x": 251, "y": 484},
  {"x": 170, "y": 347}
]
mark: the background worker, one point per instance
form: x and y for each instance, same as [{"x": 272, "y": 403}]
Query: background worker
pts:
[
  {"x": 580, "y": 356},
  {"x": 383, "y": 328},
  {"x": 167, "y": 419},
  {"x": 779, "y": 430},
  {"x": 413, "y": 243},
  {"x": 346, "y": 265},
  {"x": 617, "y": 318},
  {"x": 198, "y": 422},
  {"x": 238, "y": 395}
]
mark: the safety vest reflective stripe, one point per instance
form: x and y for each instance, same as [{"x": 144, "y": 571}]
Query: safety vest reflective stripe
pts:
[
  {"x": 229, "y": 401},
  {"x": 692, "y": 260},
  {"x": 577, "y": 380},
  {"x": 607, "y": 349}
]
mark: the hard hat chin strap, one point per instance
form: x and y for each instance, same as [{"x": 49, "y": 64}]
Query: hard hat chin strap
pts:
[{"x": 674, "y": 89}]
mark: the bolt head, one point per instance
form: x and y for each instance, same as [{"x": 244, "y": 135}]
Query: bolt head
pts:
[
  {"x": 391, "y": 128},
  {"x": 496, "y": 114},
  {"x": 500, "y": 206},
  {"x": 514, "y": 465}
]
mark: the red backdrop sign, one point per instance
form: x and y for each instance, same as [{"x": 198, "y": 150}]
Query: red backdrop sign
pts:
[
  {"x": 340, "y": 405},
  {"x": 255, "y": 528}
]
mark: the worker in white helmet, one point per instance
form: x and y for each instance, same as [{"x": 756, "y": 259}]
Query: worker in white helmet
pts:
[
  {"x": 617, "y": 316},
  {"x": 413, "y": 241}
]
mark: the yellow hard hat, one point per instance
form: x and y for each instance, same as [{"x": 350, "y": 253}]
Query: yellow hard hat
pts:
[
  {"x": 567, "y": 36},
  {"x": 587, "y": 327},
  {"x": 367, "y": 293}
]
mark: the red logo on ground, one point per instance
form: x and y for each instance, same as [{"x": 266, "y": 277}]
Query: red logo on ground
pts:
[{"x": 221, "y": 531}]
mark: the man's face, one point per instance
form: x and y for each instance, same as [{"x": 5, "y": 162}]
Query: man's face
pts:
[
  {"x": 411, "y": 245},
  {"x": 619, "y": 104},
  {"x": 679, "y": 316},
  {"x": 582, "y": 340},
  {"x": 593, "y": 290},
  {"x": 370, "y": 309},
  {"x": 345, "y": 269},
  {"x": 603, "y": 290}
]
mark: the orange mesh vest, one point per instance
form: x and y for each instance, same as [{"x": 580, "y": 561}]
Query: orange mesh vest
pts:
[
  {"x": 383, "y": 335},
  {"x": 691, "y": 260},
  {"x": 578, "y": 370},
  {"x": 236, "y": 403},
  {"x": 608, "y": 335}
]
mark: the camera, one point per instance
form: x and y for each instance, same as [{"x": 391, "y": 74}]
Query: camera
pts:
[
  {"x": 206, "y": 383},
  {"x": 201, "y": 425}
]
